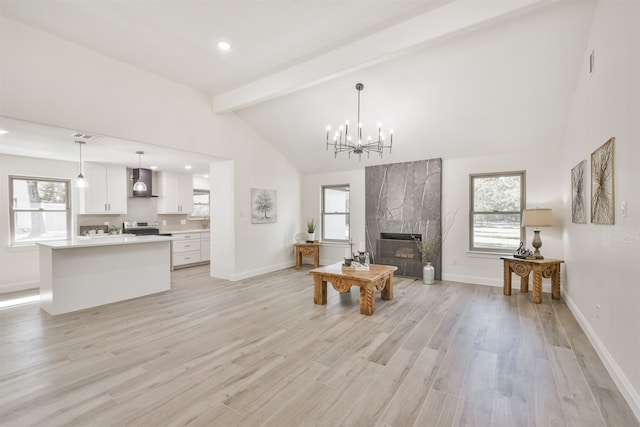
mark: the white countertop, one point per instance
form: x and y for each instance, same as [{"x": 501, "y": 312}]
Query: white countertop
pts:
[
  {"x": 194, "y": 230},
  {"x": 107, "y": 240}
]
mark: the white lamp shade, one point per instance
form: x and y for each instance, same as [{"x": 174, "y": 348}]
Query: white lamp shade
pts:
[{"x": 537, "y": 218}]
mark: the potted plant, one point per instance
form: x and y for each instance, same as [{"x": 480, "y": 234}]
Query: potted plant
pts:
[{"x": 311, "y": 230}]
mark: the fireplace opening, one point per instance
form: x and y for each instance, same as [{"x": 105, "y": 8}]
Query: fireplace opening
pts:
[{"x": 400, "y": 249}]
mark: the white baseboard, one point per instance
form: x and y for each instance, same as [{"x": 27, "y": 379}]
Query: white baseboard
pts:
[
  {"x": 262, "y": 270},
  {"x": 20, "y": 286},
  {"x": 622, "y": 382},
  {"x": 487, "y": 281}
]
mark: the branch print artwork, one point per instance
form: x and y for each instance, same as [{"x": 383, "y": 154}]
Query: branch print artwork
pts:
[
  {"x": 602, "y": 202},
  {"x": 578, "y": 196}
]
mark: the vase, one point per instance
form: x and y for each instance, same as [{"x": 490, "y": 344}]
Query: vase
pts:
[
  {"x": 311, "y": 237},
  {"x": 428, "y": 273}
]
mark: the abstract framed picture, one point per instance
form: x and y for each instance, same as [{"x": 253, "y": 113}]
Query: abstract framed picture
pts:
[
  {"x": 578, "y": 194},
  {"x": 602, "y": 201},
  {"x": 264, "y": 206}
]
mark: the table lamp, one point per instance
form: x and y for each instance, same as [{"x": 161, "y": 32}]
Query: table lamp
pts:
[{"x": 537, "y": 218}]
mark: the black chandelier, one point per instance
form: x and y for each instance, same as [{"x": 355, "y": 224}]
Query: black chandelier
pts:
[{"x": 342, "y": 141}]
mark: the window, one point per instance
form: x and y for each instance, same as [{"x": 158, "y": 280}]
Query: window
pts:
[
  {"x": 497, "y": 201},
  {"x": 200, "y": 204},
  {"x": 335, "y": 213},
  {"x": 39, "y": 209}
]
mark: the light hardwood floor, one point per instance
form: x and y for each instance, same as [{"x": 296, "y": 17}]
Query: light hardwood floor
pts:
[{"x": 259, "y": 352}]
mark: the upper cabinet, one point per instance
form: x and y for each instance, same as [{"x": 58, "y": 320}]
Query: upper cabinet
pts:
[
  {"x": 175, "y": 193},
  {"x": 107, "y": 191}
]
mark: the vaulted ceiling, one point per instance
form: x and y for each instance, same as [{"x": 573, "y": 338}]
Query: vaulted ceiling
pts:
[{"x": 452, "y": 78}]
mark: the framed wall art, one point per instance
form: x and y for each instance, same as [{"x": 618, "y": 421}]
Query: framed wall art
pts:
[
  {"x": 602, "y": 200},
  {"x": 578, "y": 194},
  {"x": 264, "y": 206}
]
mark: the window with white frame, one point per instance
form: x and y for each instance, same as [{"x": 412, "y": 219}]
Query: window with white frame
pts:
[
  {"x": 39, "y": 209},
  {"x": 496, "y": 204},
  {"x": 335, "y": 213},
  {"x": 200, "y": 204}
]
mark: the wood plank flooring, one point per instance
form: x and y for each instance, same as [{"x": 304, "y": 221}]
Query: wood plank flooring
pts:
[{"x": 258, "y": 352}]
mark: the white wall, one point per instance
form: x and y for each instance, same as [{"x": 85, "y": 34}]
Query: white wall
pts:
[
  {"x": 543, "y": 175},
  {"x": 312, "y": 208},
  {"x": 48, "y": 80},
  {"x": 603, "y": 261}
]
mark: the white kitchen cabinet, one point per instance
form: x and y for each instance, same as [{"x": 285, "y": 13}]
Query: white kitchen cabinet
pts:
[
  {"x": 185, "y": 248},
  {"x": 190, "y": 248},
  {"x": 205, "y": 246},
  {"x": 175, "y": 193},
  {"x": 107, "y": 191}
]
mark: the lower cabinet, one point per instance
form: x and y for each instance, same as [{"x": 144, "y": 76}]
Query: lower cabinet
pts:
[
  {"x": 187, "y": 248},
  {"x": 205, "y": 247}
]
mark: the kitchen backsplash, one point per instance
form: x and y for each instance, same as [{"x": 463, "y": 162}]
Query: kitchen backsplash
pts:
[{"x": 141, "y": 209}]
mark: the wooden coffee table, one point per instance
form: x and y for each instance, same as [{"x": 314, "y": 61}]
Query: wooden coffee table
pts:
[{"x": 378, "y": 277}]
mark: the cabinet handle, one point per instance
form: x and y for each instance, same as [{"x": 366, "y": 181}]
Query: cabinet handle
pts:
[
  {"x": 187, "y": 246},
  {"x": 187, "y": 257}
]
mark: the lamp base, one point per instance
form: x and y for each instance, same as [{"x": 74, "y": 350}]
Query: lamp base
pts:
[{"x": 537, "y": 244}]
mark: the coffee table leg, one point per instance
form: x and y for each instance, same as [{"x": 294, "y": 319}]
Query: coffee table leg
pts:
[
  {"x": 387, "y": 291},
  {"x": 367, "y": 301},
  {"x": 320, "y": 290}
]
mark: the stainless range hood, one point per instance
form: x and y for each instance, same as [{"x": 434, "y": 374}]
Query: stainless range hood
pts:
[{"x": 146, "y": 176}]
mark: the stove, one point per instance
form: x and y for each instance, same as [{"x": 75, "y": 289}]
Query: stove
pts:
[{"x": 141, "y": 228}]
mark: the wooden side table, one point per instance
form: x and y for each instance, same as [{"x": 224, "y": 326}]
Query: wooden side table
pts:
[
  {"x": 307, "y": 249},
  {"x": 548, "y": 268}
]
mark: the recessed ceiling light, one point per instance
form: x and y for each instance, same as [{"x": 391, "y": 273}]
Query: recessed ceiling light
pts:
[
  {"x": 153, "y": 167},
  {"x": 224, "y": 46},
  {"x": 2, "y": 131},
  {"x": 187, "y": 167},
  {"x": 205, "y": 176}
]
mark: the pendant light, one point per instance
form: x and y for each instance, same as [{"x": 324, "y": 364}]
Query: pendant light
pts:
[
  {"x": 139, "y": 186},
  {"x": 81, "y": 181}
]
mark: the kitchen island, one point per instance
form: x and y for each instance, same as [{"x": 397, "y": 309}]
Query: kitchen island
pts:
[{"x": 88, "y": 272}]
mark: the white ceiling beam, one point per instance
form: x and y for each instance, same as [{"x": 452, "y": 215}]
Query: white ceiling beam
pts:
[{"x": 445, "y": 21}]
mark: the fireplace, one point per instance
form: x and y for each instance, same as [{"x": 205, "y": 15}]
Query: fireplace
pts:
[
  {"x": 401, "y": 200},
  {"x": 400, "y": 249}
]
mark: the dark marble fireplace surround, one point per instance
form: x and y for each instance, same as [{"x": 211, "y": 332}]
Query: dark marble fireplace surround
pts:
[{"x": 403, "y": 199}]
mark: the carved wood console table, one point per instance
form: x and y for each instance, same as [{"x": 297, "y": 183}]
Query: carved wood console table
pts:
[
  {"x": 378, "y": 277},
  {"x": 307, "y": 249},
  {"x": 547, "y": 268}
]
